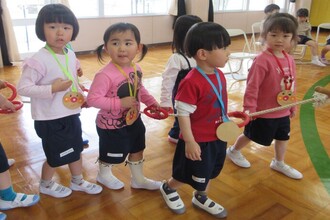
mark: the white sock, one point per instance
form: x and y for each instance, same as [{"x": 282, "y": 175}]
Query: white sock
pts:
[
  {"x": 136, "y": 168},
  {"x": 232, "y": 149},
  {"x": 315, "y": 58},
  {"x": 78, "y": 179},
  {"x": 46, "y": 183},
  {"x": 280, "y": 163},
  {"x": 105, "y": 171}
]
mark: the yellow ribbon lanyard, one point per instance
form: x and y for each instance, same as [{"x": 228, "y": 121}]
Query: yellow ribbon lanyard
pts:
[
  {"x": 65, "y": 69},
  {"x": 131, "y": 92}
]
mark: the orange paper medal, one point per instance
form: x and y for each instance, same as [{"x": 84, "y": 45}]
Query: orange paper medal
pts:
[
  {"x": 228, "y": 131},
  {"x": 286, "y": 97},
  {"x": 131, "y": 116},
  {"x": 73, "y": 100}
]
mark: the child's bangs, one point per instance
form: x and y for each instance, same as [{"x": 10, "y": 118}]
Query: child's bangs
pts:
[
  {"x": 282, "y": 26},
  {"x": 59, "y": 18}
]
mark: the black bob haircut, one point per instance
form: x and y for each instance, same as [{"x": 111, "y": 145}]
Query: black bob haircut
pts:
[
  {"x": 207, "y": 36},
  {"x": 302, "y": 12},
  {"x": 56, "y": 13}
]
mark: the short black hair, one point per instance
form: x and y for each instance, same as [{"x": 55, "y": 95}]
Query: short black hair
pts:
[
  {"x": 271, "y": 7},
  {"x": 56, "y": 13},
  {"x": 302, "y": 12},
  {"x": 205, "y": 35},
  {"x": 181, "y": 27}
]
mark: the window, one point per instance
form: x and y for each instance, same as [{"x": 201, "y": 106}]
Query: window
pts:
[
  {"x": 24, "y": 14},
  {"x": 243, "y": 5},
  {"x": 99, "y": 8}
]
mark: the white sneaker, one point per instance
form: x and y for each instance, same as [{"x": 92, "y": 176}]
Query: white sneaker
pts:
[
  {"x": 173, "y": 200},
  {"x": 11, "y": 161},
  {"x": 286, "y": 170},
  {"x": 110, "y": 181},
  {"x": 324, "y": 61},
  {"x": 87, "y": 187},
  {"x": 210, "y": 207},
  {"x": 147, "y": 184},
  {"x": 3, "y": 216},
  {"x": 29, "y": 200},
  {"x": 238, "y": 158},
  {"x": 56, "y": 190},
  {"x": 318, "y": 63}
]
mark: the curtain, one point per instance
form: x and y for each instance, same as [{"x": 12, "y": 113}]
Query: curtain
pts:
[
  {"x": 211, "y": 12},
  {"x": 177, "y": 8},
  {"x": 8, "y": 42}
]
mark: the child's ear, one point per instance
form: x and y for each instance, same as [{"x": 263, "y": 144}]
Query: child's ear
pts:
[
  {"x": 140, "y": 48},
  {"x": 201, "y": 54},
  {"x": 105, "y": 48}
]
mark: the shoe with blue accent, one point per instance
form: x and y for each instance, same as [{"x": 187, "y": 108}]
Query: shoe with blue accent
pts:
[
  {"x": 19, "y": 201},
  {"x": 85, "y": 143},
  {"x": 3, "y": 216}
]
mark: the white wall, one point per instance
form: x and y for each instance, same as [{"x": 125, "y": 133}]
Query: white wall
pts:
[
  {"x": 241, "y": 20},
  {"x": 153, "y": 29}
]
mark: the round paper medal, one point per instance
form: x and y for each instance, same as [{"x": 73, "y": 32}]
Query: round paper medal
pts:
[
  {"x": 73, "y": 100},
  {"x": 131, "y": 116},
  {"x": 286, "y": 97},
  {"x": 228, "y": 131}
]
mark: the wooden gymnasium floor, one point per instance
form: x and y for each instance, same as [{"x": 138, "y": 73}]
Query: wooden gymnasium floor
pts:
[{"x": 254, "y": 193}]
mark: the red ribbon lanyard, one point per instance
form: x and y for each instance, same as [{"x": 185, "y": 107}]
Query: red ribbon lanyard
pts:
[{"x": 287, "y": 78}]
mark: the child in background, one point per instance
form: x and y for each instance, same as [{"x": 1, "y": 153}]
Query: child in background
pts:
[
  {"x": 305, "y": 36},
  {"x": 269, "y": 10},
  {"x": 272, "y": 78},
  {"x": 9, "y": 199},
  {"x": 177, "y": 62},
  {"x": 201, "y": 103},
  {"x": 324, "y": 51},
  {"x": 50, "y": 78},
  {"x": 117, "y": 91}
]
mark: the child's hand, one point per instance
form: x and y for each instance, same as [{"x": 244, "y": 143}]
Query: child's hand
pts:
[
  {"x": 193, "y": 151},
  {"x": 80, "y": 72},
  {"x": 128, "y": 102},
  {"x": 7, "y": 105},
  {"x": 85, "y": 105},
  {"x": 61, "y": 85},
  {"x": 2, "y": 84},
  {"x": 168, "y": 109}
]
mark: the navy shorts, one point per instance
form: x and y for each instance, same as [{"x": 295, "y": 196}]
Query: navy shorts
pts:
[
  {"x": 61, "y": 139},
  {"x": 198, "y": 173},
  {"x": 264, "y": 130},
  {"x": 4, "y": 166},
  {"x": 116, "y": 144},
  {"x": 303, "y": 39}
]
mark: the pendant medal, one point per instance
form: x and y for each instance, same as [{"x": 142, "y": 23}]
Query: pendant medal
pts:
[
  {"x": 73, "y": 100},
  {"x": 131, "y": 116},
  {"x": 228, "y": 131},
  {"x": 286, "y": 97}
]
